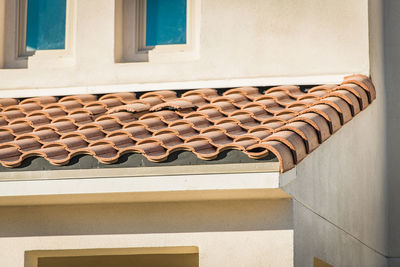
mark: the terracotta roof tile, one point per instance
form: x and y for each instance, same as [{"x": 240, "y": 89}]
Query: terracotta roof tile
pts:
[{"x": 285, "y": 121}]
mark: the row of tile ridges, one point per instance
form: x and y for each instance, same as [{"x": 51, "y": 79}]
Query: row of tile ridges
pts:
[{"x": 282, "y": 120}]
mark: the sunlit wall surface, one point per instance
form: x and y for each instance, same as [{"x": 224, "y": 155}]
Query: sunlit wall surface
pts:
[
  {"x": 45, "y": 27},
  {"x": 165, "y": 22}
]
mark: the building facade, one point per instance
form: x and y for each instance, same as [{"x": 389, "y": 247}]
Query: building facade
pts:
[{"x": 337, "y": 207}]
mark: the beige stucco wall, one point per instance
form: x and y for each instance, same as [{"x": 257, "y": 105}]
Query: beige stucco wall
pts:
[
  {"x": 227, "y": 233},
  {"x": 340, "y": 196},
  {"x": 238, "y": 39}
]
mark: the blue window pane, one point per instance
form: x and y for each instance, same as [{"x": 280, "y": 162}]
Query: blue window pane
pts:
[
  {"x": 165, "y": 22},
  {"x": 45, "y": 27}
]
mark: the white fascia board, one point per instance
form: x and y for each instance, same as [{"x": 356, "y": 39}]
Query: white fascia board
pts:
[
  {"x": 141, "y": 189},
  {"x": 141, "y": 87}
]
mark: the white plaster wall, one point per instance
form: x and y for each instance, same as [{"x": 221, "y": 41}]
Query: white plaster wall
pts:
[
  {"x": 392, "y": 98},
  {"x": 227, "y": 233},
  {"x": 343, "y": 182},
  {"x": 238, "y": 39},
  {"x": 316, "y": 237}
]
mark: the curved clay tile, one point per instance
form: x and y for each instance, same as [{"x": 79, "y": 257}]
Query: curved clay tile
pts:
[
  {"x": 201, "y": 147},
  {"x": 27, "y": 144},
  {"x": 67, "y": 106},
  {"x": 211, "y": 113},
  {"x": 153, "y": 150},
  {"x": 183, "y": 130},
  {"x": 137, "y": 106},
  {"x": 6, "y": 135},
  {"x": 350, "y": 99},
  {"x": 107, "y": 125},
  {"x": 173, "y": 105},
  {"x": 258, "y": 112},
  {"x": 280, "y": 150},
  {"x": 110, "y": 102},
  {"x": 246, "y": 141},
  {"x": 329, "y": 114},
  {"x": 104, "y": 151},
  {"x": 317, "y": 122},
  {"x": 364, "y": 82},
  {"x": 215, "y": 136},
  {"x": 165, "y": 115},
  {"x": 3, "y": 120},
  {"x": 56, "y": 154},
  {"x": 261, "y": 132},
  {"x": 293, "y": 141},
  {"x": 358, "y": 92},
  {"x": 20, "y": 127},
  {"x": 305, "y": 131},
  {"x": 269, "y": 104},
  {"x": 230, "y": 127},
  {"x": 136, "y": 131},
  {"x": 77, "y": 117},
  {"x": 273, "y": 123},
  {"x": 198, "y": 123},
  {"x": 223, "y": 107},
  {"x": 5, "y": 102},
  {"x": 125, "y": 97},
  {"x": 206, "y": 93},
  {"x": 280, "y": 97},
  {"x": 41, "y": 100},
  {"x": 120, "y": 139},
  {"x": 45, "y": 135},
  {"x": 10, "y": 155},
  {"x": 164, "y": 95},
  {"x": 340, "y": 106},
  {"x": 250, "y": 92},
  {"x": 12, "y": 114},
  {"x": 60, "y": 127},
  {"x": 73, "y": 142},
  {"x": 52, "y": 112},
  {"x": 169, "y": 140},
  {"x": 26, "y": 108},
  {"x": 82, "y": 98},
  {"x": 292, "y": 91},
  {"x": 196, "y": 100},
  {"x": 120, "y": 117},
  {"x": 238, "y": 100},
  {"x": 325, "y": 88}
]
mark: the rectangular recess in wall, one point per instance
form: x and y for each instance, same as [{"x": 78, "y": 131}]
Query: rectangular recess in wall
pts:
[
  {"x": 321, "y": 263},
  {"x": 122, "y": 257},
  {"x": 157, "y": 30}
]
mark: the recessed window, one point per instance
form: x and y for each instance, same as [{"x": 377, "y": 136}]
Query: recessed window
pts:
[
  {"x": 157, "y": 30},
  {"x": 124, "y": 257},
  {"x": 165, "y": 22},
  {"x": 45, "y": 24}
]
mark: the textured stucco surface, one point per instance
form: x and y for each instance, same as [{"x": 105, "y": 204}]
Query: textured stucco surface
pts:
[
  {"x": 227, "y": 233},
  {"x": 392, "y": 97},
  {"x": 271, "y": 39}
]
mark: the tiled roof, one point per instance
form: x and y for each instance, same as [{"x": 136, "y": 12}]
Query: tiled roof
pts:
[{"x": 284, "y": 120}]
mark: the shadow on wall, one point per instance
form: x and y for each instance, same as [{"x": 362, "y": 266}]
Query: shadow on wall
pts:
[{"x": 139, "y": 218}]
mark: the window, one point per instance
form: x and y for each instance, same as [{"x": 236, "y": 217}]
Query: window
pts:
[
  {"x": 45, "y": 24},
  {"x": 156, "y": 30},
  {"x": 44, "y": 27},
  {"x": 165, "y": 22},
  {"x": 124, "y": 257}
]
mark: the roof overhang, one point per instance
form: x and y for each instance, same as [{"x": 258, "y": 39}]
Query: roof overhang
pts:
[{"x": 149, "y": 184}]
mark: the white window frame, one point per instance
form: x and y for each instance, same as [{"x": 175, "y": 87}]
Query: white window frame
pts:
[
  {"x": 131, "y": 35},
  {"x": 23, "y": 54}
]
